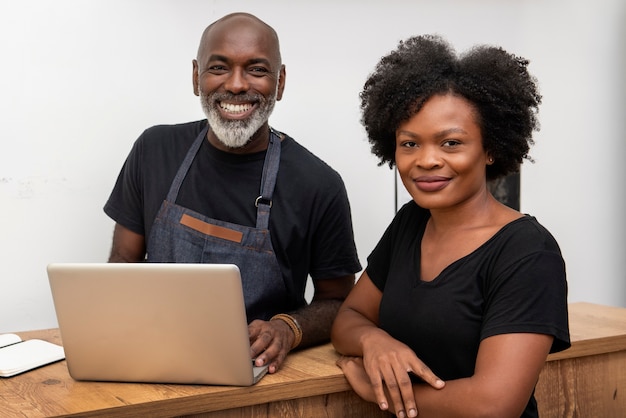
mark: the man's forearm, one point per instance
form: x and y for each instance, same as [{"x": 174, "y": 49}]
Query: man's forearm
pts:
[{"x": 316, "y": 320}]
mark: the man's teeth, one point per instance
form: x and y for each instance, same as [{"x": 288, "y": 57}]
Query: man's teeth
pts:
[{"x": 235, "y": 108}]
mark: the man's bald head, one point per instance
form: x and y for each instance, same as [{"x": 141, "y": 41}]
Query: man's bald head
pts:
[{"x": 236, "y": 23}]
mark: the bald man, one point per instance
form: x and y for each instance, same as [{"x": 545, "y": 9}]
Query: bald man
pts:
[{"x": 231, "y": 189}]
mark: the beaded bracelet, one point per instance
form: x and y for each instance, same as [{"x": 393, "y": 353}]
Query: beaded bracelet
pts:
[{"x": 293, "y": 324}]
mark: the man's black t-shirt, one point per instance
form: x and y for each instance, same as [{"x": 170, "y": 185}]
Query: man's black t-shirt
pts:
[{"x": 310, "y": 219}]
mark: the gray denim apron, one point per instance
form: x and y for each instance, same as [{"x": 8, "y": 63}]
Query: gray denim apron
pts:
[{"x": 180, "y": 235}]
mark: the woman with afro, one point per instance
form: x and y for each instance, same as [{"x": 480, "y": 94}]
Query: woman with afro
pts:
[{"x": 463, "y": 297}]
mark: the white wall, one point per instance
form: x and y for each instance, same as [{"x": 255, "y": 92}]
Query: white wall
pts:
[{"x": 80, "y": 80}]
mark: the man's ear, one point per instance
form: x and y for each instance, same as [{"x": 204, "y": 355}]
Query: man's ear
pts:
[
  {"x": 282, "y": 75},
  {"x": 196, "y": 87}
]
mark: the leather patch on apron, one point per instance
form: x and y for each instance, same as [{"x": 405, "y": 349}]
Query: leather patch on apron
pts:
[{"x": 212, "y": 230}]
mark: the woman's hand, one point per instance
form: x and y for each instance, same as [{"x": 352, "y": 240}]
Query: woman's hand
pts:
[
  {"x": 352, "y": 368},
  {"x": 388, "y": 364}
]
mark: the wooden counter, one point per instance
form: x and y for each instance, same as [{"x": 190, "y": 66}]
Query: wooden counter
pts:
[{"x": 588, "y": 380}]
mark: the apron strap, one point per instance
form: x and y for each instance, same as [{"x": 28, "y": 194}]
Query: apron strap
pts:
[
  {"x": 184, "y": 167},
  {"x": 268, "y": 181}
]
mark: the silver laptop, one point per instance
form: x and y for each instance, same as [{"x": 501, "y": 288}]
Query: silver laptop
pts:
[{"x": 151, "y": 322}]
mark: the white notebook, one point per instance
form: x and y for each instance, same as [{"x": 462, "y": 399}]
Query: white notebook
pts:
[{"x": 18, "y": 356}]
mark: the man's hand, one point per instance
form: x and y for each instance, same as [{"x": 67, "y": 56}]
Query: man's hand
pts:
[{"x": 270, "y": 341}]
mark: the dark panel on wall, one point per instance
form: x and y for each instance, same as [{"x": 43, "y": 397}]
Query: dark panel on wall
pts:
[{"x": 507, "y": 190}]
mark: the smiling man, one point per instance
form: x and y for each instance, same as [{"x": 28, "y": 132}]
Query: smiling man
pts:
[
  {"x": 239, "y": 76},
  {"x": 230, "y": 189}
]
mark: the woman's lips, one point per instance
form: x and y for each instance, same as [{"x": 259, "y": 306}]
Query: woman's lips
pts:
[{"x": 431, "y": 183}]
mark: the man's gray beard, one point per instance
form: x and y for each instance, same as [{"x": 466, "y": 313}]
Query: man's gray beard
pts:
[{"x": 236, "y": 133}]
